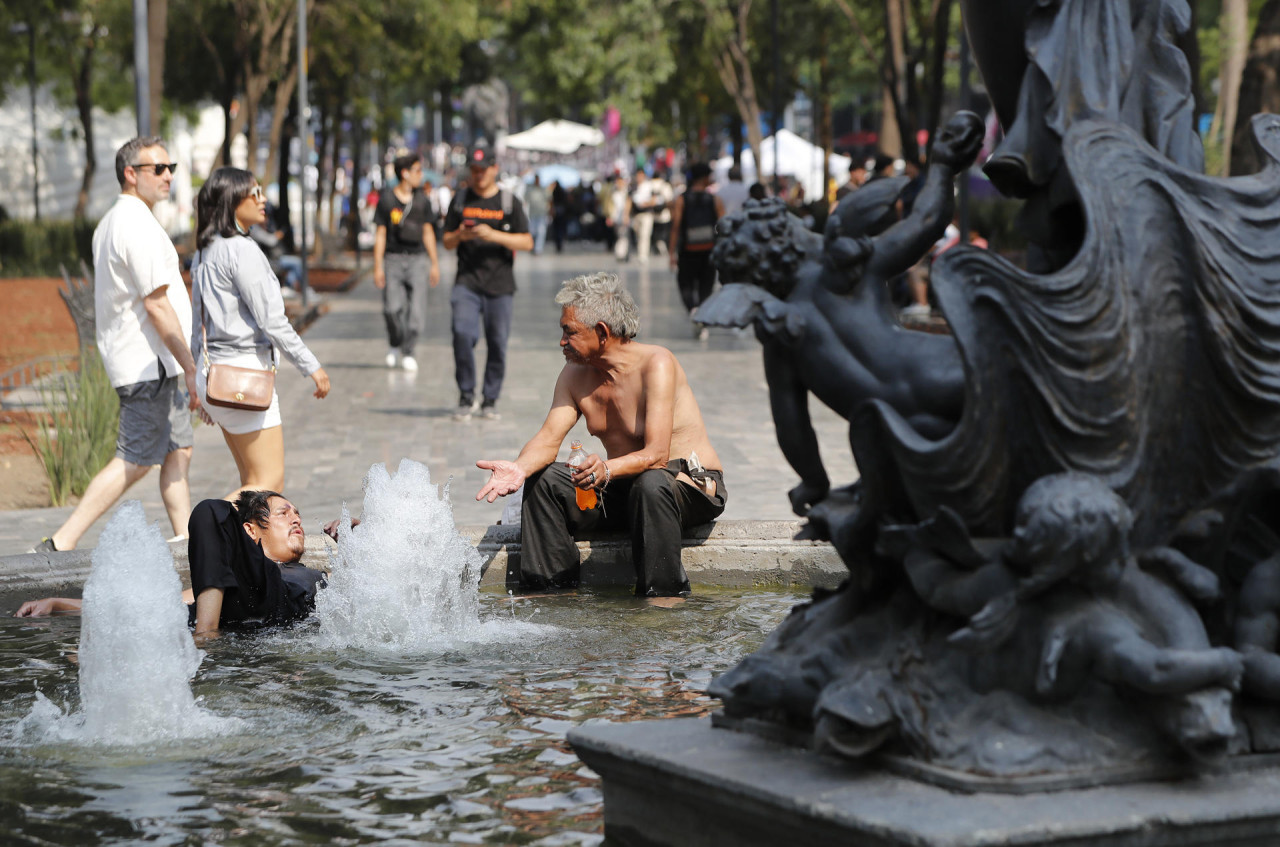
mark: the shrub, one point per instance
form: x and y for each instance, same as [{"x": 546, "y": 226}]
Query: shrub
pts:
[
  {"x": 79, "y": 436},
  {"x": 38, "y": 248}
]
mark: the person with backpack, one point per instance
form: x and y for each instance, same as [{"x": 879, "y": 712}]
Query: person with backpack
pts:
[
  {"x": 486, "y": 225},
  {"x": 693, "y": 234},
  {"x": 405, "y": 240}
]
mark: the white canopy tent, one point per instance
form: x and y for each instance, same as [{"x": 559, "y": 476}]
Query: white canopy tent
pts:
[
  {"x": 563, "y": 137},
  {"x": 798, "y": 159}
]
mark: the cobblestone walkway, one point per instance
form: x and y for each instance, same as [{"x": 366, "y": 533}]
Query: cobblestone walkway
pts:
[{"x": 376, "y": 415}]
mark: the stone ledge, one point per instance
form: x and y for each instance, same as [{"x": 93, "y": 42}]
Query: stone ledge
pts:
[
  {"x": 733, "y": 554},
  {"x": 681, "y": 782}
]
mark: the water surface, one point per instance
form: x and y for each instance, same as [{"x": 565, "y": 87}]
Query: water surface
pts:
[{"x": 460, "y": 744}]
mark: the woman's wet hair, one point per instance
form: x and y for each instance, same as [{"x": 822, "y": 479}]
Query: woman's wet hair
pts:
[
  {"x": 216, "y": 204},
  {"x": 601, "y": 298},
  {"x": 255, "y": 506}
]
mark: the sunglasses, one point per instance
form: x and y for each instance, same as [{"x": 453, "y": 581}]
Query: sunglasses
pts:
[
  {"x": 256, "y": 193},
  {"x": 159, "y": 168}
]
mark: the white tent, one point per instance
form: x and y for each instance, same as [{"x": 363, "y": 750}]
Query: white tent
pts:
[
  {"x": 563, "y": 137},
  {"x": 798, "y": 159}
]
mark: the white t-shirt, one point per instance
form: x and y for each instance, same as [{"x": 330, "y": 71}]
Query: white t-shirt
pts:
[
  {"x": 132, "y": 257},
  {"x": 732, "y": 195}
]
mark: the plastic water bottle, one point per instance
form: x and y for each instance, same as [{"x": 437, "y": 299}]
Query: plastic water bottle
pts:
[{"x": 586, "y": 496}]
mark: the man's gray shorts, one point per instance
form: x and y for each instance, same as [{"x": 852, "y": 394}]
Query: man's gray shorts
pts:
[{"x": 154, "y": 420}]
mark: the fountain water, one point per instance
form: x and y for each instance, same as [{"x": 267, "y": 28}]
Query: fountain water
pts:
[
  {"x": 136, "y": 653},
  {"x": 404, "y": 580}
]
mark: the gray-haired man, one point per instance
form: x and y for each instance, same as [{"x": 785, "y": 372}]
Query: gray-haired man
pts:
[{"x": 661, "y": 473}]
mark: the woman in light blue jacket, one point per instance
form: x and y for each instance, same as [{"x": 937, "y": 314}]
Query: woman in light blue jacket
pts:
[{"x": 238, "y": 318}]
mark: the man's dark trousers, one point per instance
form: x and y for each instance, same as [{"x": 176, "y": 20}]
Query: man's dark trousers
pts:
[
  {"x": 470, "y": 309},
  {"x": 654, "y": 505}
]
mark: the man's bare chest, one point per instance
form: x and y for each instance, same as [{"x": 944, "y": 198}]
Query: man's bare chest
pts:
[{"x": 614, "y": 408}]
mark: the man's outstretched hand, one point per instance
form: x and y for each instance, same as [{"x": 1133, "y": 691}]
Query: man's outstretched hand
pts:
[{"x": 507, "y": 477}]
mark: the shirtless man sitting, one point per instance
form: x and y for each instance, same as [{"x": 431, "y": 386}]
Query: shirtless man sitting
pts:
[{"x": 661, "y": 473}]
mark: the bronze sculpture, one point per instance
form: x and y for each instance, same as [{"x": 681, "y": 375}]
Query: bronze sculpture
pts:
[{"x": 1059, "y": 548}]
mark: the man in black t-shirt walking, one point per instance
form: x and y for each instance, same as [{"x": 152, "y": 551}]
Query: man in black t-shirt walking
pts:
[
  {"x": 486, "y": 225},
  {"x": 406, "y": 238}
]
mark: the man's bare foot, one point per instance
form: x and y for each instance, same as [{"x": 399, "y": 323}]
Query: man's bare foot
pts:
[{"x": 664, "y": 602}]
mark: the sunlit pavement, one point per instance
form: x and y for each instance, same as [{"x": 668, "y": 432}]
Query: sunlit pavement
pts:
[{"x": 374, "y": 414}]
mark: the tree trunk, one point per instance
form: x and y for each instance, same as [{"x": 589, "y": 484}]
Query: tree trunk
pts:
[
  {"x": 157, "y": 27},
  {"x": 894, "y": 67},
  {"x": 824, "y": 106},
  {"x": 1259, "y": 87},
  {"x": 265, "y": 55},
  {"x": 941, "y": 41},
  {"x": 333, "y": 139},
  {"x": 733, "y": 65},
  {"x": 226, "y": 95},
  {"x": 279, "y": 113},
  {"x": 83, "y": 82},
  {"x": 1235, "y": 37},
  {"x": 254, "y": 89},
  {"x": 228, "y": 122},
  {"x": 281, "y": 167}
]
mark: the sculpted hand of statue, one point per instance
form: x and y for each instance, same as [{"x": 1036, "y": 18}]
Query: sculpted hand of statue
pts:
[
  {"x": 959, "y": 141},
  {"x": 807, "y": 495}
]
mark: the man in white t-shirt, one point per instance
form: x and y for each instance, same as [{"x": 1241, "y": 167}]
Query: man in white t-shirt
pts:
[
  {"x": 734, "y": 192},
  {"x": 143, "y": 318}
]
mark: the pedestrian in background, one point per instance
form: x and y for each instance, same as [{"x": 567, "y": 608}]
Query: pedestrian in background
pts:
[
  {"x": 693, "y": 234},
  {"x": 143, "y": 320},
  {"x": 538, "y": 202},
  {"x": 238, "y": 318},
  {"x": 486, "y": 225},
  {"x": 617, "y": 216},
  {"x": 404, "y": 241}
]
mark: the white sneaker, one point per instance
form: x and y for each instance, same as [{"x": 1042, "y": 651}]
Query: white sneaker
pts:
[
  {"x": 917, "y": 310},
  {"x": 393, "y": 358},
  {"x": 410, "y": 364}
]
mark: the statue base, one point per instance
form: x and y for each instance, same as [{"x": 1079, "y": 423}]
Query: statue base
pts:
[{"x": 683, "y": 782}]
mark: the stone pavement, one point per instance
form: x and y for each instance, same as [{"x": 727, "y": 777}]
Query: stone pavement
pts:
[{"x": 376, "y": 415}]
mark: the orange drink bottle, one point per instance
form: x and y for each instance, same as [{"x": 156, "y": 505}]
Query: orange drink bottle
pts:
[{"x": 586, "y": 496}]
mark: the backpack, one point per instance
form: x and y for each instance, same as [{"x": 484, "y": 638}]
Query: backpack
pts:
[{"x": 698, "y": 223}]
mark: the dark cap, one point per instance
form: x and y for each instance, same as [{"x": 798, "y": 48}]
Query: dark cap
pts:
[{"x": 481, "y": 156}]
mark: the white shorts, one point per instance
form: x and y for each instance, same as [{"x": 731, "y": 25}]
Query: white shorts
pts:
[{"x": 240, "y": 421}]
